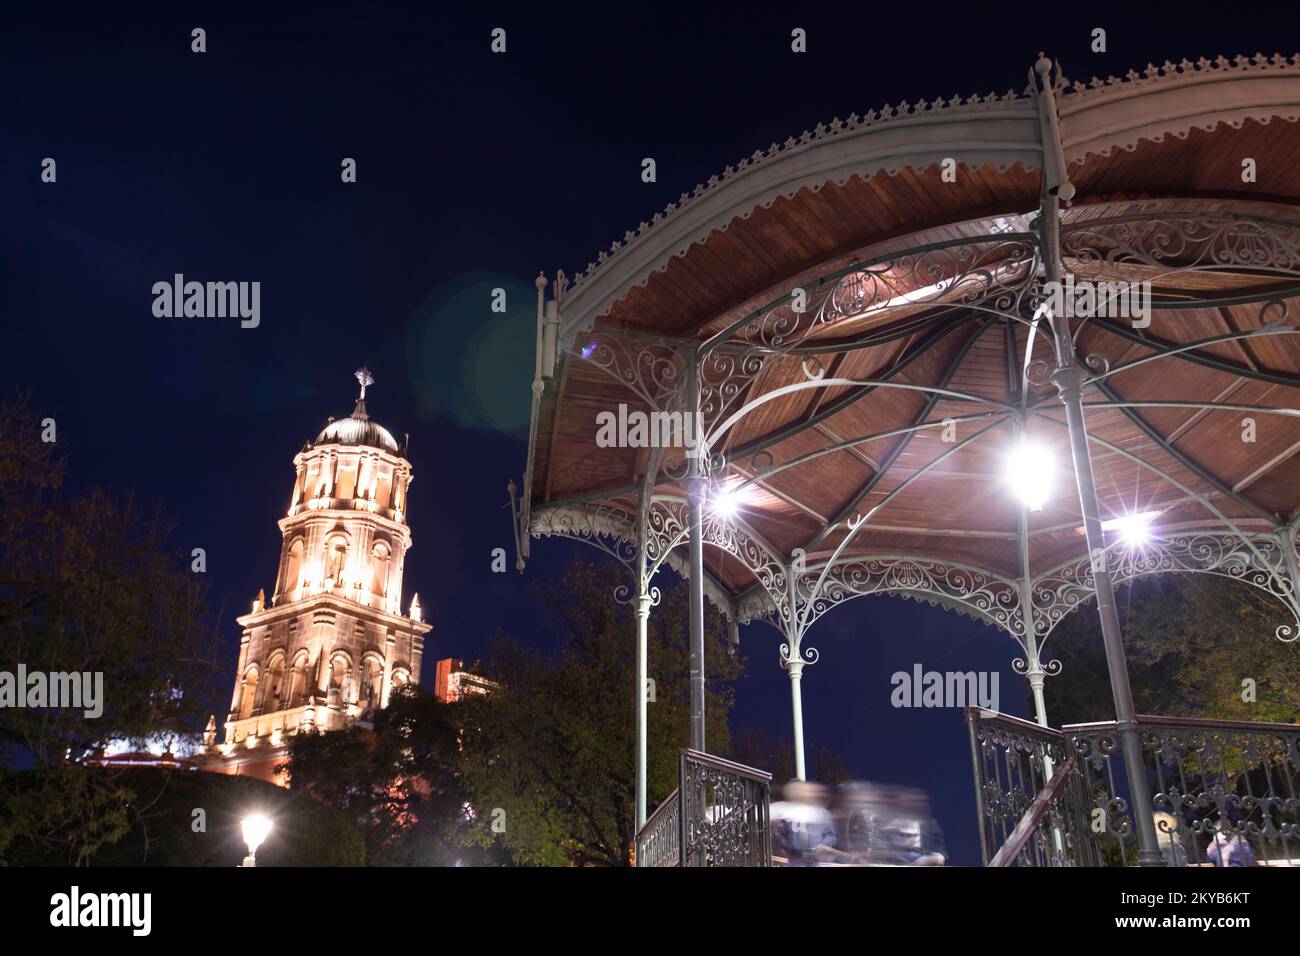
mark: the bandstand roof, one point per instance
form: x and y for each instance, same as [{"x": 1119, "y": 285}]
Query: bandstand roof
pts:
[{"x": 918, "y": 282}]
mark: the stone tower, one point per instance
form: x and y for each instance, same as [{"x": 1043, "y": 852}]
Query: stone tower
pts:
[{"x": 332, "y": 643}]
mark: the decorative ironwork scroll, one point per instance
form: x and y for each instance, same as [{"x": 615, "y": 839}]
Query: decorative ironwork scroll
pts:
[
  {"x": 650, "y": 369},
  {"x": 1227, "y": 554},
  {"x": 770, "y": 603},
  {"x": 667, "y": 527},
  {"x": 1220, "y": 788},
  {"x": 987, "y": 595},
  {"x": 1186, "y": 242},
  {"x": 990, "y": 273},
  {"x": 724, "y": 812},
  {"x": 602, "y": 526}
]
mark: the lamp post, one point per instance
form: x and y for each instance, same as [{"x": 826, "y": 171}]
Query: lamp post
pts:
[{"x": 256, "y": 827}]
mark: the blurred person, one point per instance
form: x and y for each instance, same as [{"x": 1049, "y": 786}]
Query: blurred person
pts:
[
  {"x": 885, "y": 825},
  {"x": 857, "y": 813},
  {"x": 910, "y": 835},
  {"x": 1228, "y": 849},
  {"x": 929, "y": 849},
  {"x": 802, "y": 826}
]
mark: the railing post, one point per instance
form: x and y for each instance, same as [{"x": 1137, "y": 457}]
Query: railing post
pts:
[
  {"x": 682, "y": 807},
  {"x": 977, "y": 768}
]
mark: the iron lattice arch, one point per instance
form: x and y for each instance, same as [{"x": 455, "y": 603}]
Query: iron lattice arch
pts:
[{"x": 974, "y": 287}]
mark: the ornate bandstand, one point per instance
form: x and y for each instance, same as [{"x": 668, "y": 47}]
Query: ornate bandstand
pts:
[{"x": 999, "y": 354}]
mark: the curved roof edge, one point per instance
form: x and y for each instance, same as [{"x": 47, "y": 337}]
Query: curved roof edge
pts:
[
  {"x": 1104, "y": 115},
  {"x": 1095, "y": 119},
  {"x": 1002, "y": 131}
]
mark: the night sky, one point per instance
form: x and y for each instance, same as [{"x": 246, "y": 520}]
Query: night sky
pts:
[{"x": 474, "y": 171}]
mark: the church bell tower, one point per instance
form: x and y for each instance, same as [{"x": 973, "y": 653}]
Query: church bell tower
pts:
[{"x": 332, "y": 643}]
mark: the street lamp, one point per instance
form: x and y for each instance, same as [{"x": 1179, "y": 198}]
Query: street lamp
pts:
[{"x": 256, "y": 827}]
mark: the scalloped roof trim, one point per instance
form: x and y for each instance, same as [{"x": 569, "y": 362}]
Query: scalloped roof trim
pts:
[{"x": 904, "y": 111}]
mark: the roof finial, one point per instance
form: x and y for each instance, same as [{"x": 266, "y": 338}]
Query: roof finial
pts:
[{"x": 363, "y": 376}]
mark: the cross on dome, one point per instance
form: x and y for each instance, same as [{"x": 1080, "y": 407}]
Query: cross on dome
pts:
[{"x": 363, "y": 376}]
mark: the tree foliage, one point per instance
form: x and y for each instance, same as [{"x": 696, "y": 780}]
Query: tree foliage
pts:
[
  {"x": 549, "y": 756},
  {"x": 399, "y": 781},
  {"x": 775, "y": 754},
  {"x": 187, "y": 818},
  {"x": 1191, "y": 641},
  {"x": 87, "y": 585},
  {"x": 1197, "y": 646}
]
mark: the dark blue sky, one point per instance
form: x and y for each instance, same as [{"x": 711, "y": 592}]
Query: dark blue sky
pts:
[{"x": 474, "y": 171}]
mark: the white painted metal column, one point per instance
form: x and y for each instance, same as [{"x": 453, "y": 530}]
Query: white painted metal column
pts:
[
  {"x": 794, "y": 666},
  {"x": 643, "y": 605}
]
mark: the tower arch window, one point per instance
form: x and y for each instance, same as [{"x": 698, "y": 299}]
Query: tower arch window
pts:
[
  {"x": 248, "y": 694},
  {"x": 336, "y": 559},
  {"x": 381, "y": 557},
  {"x": 372, "y": 680},
  {"x": 342, "y": 681},
  {"x": 298, "y": 680},
  {"x": 293, "y": 567},
  {"x": 274, "y": 683}
]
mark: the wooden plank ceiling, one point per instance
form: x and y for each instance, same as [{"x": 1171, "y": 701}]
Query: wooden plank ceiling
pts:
[{"x": 961, "y": 510}]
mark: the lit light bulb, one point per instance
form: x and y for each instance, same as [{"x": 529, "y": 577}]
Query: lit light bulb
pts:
[
  {"x": 257, "y": 828},
  {"x": 1029, "y": 471},
  {"x": 725, "y": 504},
  {"x": 1133, "y": 529}
]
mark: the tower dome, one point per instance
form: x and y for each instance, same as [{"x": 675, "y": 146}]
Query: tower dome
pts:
[{"x": 357, "y": 428}]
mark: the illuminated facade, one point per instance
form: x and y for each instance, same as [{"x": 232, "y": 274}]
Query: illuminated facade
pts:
[
  {"x": 452, "y": 682},
  {"x": 332, "y": 643}
]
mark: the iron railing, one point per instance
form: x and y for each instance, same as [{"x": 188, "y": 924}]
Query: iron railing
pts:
[
  {"x": 717, "y": 816},
  {"x": 1219, "y": 788},
  {"x": 1014, "y": 761},
  {"x": 1031, "y": 823},
  {"x": 659, "y": 841}
]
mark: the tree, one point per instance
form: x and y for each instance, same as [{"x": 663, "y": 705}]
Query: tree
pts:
[
  {"x": 398, "y": 781},
  {"x": 87, "y": 585},
  {"x": 182, "y": 818},
  {"x": 549, "y": 755},
  {"x": 1191, "y": 640},
  {"x": 775, "y": 754}
]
